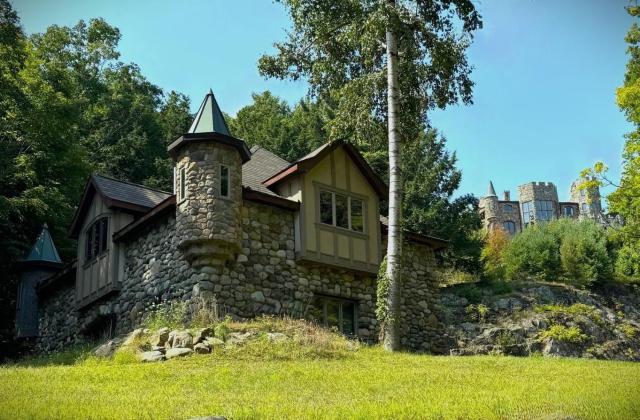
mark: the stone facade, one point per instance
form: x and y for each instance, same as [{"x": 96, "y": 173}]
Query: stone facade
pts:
[
  {"x": 264, "y": 278},
  {"x": 536, "y": 200}
]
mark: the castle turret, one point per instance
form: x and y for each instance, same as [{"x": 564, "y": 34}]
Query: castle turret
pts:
[
  {"x": 208, "y": 186},
  {"x": 489, "y": 207},
  {"x": 589, "y": 200},
  {"x": 41, "y": 262}
]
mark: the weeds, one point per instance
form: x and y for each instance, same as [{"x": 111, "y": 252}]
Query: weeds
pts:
[{"x": 566, "y": 334}]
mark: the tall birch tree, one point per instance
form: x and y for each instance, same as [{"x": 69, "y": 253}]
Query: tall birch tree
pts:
[{"x": 380, "y": 61}]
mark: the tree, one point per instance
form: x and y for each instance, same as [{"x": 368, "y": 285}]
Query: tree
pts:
[
  {"x": 492, "y": 254},
  {"x": 360, "y": 53},
  {"x": 625, "y": 200}
]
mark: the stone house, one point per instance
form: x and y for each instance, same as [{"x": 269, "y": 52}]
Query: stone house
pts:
[
  {"x": 245, "y": 229},
  {"x": 538, "y": 201}
]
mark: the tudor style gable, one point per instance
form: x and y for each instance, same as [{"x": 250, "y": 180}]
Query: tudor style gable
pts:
[{"x": 338, "y": 222}]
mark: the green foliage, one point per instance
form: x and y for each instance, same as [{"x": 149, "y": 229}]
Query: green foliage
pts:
[
  {"x": 563, "y": 333},
  {"x": 173, "y": 314},
  {"x": 492, "y": 254},
  {"x": 382, "y": 293},
  {"x": 222, "y": 330},
  {"x": 629, "y": 330},
  {"x": 562, "y": 250},
  {"x": 577, "y": 309},
  {"x": 477, "y": 312}
]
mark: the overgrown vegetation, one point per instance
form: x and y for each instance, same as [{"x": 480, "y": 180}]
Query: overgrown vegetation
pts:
[
  {"x": 577, "y": 309},
  {"x": 558, "y": 332},
  {"x": 564, "y": 250}
]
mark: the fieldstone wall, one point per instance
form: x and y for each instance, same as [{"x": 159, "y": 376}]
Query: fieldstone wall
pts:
[
  {"x": 263, "y": 278},
  {"x": 58, "y": 322}
]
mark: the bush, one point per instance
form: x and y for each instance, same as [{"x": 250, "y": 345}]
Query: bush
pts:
[
  {"x": 570, "y": 251},
  {"x": 566, "y": 334},
  {"x": 492, "y": 254}
]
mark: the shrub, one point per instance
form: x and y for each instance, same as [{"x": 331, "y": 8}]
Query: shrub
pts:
[
  {"x": 566, "y": 334},
  {"x": 477, "y": 312},
  {"x": 492, "y": 254},
  {"x": 570, "y": 251},
  {"x": 166, "y": 314},
  {"x": 556, "y": 311}
]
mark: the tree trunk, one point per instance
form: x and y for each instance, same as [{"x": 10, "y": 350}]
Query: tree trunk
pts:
[{"x": 391, "y": 333}]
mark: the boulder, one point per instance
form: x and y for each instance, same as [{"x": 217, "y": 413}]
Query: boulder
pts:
[
  {"x": 161, "y": 337},
  {"x": 201, "y": 334},
  {"x": 558, "y": 348},
  {"x": 202, "y": 348},
  {"x": 239, "y": 338},
  {"x": 179, "y": 338},
  {"x": 276, "y": 336},
  {"x": 133, "y": 336},
  {"x": 214, "y": 342},
  {"x": 107, "y": 349},
  {"x": 151, "y": 356},
  {"x": 177, "y": 352}
]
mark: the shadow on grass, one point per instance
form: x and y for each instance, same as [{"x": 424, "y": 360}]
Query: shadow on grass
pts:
[{"x": 68, "y": 357}]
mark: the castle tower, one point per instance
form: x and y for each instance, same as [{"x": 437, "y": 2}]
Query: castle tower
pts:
[
  {"x": 489, "y": 207},
  {"x": 208, "y": 186},
  {"x": 589, "y": 201},
  {"x": 41, "y": 262},
  {"x": 539, "y": 202}
]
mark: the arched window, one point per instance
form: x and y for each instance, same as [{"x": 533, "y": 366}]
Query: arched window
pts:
[
  {"x": 96, "y": 239},
  {"x": 507, "y": 208},
  {"x": 509, "y": 227}
]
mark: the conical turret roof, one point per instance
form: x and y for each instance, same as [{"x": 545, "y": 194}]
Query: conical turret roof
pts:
[
  {"x": 209, "y": 118},
  {"x": 491, "y": 191},
  {"x": 44, "y": 249}
]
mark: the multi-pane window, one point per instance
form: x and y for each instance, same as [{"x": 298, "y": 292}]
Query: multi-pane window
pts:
[
  {"x": 335, "y": 313},
  {"x": 342, "y": 211},
  {"x": 509, "y": 227},
  {"x": 507, "y": 208},
  {"x": 527, "y": 212},
  {"x": 568, "y": 211},
  {"x": 183, "y": 184},
  {"x": 224, "y": 181},
  {"x": 544, "y": 210},
  {"x": 96, "y": 239}
]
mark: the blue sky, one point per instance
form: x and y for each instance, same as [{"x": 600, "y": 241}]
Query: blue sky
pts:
[{"x": 545, "y": 72}]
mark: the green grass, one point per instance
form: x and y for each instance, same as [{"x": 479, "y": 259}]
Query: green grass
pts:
[{"x": 367, "y": 383}]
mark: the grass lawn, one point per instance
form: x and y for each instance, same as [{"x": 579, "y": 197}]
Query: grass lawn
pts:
[{"x": 367, "y": 384}]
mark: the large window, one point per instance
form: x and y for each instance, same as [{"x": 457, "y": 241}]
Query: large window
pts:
[
  {"x": 342, "y": 211},
  {"x": 527, "y": 212},
  {"x": 507, "y": 208},
  {"x": 544, "y": 210},
  {"x": 568, "y": 211},
  {"x": 97, "y": 239},
  {"x": 509, "y": 227},
  {"x": 225, "y": 181},
  {"x": 335, "y": 313}
]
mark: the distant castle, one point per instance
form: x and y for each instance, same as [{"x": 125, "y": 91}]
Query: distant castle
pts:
[{"x": 538, "y": 201}]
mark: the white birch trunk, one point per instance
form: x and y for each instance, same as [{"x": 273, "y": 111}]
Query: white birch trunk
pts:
[{"x": 391, "y": 333}]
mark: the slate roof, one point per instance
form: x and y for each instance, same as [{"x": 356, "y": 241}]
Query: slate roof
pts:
[
  {"x": 44, "y": 249},
  {"x": 129, "y": 192},
  {"x": 263, "y": 165}
]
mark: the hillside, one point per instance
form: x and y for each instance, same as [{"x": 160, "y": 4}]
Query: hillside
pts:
[{"x": 270, "y": 369}]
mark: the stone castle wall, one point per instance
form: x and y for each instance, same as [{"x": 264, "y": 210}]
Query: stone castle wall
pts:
[{"x": 265, "y": 278}]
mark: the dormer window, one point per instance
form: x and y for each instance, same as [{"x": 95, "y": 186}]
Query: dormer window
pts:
[
  {"x": 97, "y": 239},
  {"x": 225, "y": 181}
]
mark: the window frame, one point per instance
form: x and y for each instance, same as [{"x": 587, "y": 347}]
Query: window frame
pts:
[
  {"x": 507, "y": 208},
  {"x": 545, "y": 210},
  {"x": 96, "y": 240},
  {"x": 509, "y": 223},
  {"x": 334, "y": 219},
  {"x": 182, "y": 184},
  {"x": 571, "y": 212},
  {"x": 228, "y": 194},
  {"x": 528, "y": 212},
  {"x": 323, "y": 301}
]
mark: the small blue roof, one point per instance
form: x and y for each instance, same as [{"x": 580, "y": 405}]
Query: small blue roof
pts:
[
  {"x": 44, "y": 248},
  {"x": 209, "y": 118}
]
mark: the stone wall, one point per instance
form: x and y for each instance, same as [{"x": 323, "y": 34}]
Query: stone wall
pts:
[
  {"x": 58, "y": 322},
  {"x": 265, "y": 278}
]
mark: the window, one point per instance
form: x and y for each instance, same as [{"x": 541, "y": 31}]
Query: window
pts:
[
  {"x": 583, "y": 193},
  {"x": 527, "y": 212},
  {"x": 544, "y": 210},
  {"x": 509, "y": 227},
  {"x": 97, "y": 239},
  {"x": 342, "y": 211},
  {"x": 224, "y": 181},
  {"x": 507, "y": 208},
  {"x": 335, "y": 313},
  {"x": 568, "y": 211},
  {"x": 183, "y": 184},
  {"x": 584, "y": 207}
]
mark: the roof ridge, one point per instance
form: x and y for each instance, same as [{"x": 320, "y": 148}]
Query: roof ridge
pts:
[{"x": 131, "y": 183}]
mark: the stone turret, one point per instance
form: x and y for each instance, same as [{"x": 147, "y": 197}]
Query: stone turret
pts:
[
  {"x": 208, "y": 186},
  {"x": 489, "y": 204},
  {"x": 589, "y": 201}
]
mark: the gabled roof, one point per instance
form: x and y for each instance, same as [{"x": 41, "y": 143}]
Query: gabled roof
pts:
[
  {"x": 433, "y": 241},
  {"x": 263, "y": 165},
  {"x": 134, "y": 198},
  {"x": 43, "y": 250},
  {"x": 209, "y": 126},
  {"x": 209, "y": 118},
  {"x": 305, "y": 163}
]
